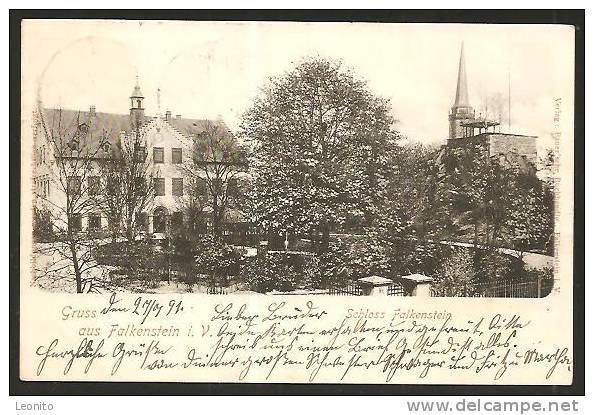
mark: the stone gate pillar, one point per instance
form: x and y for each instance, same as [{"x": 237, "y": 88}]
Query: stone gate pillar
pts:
[
  {"x": 421, "y": 284},
  {"x": 375, "y": 285}
]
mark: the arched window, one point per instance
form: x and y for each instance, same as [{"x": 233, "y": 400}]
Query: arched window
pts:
[{"x": 159, "y": 220}]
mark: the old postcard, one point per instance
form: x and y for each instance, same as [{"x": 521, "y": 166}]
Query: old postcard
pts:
[{"x": 297, "y": 202}]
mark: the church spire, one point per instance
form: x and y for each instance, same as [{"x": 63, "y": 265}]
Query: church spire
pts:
[
  {"x": 461, "y": 88},
  {"x": 461, "y": 112}
]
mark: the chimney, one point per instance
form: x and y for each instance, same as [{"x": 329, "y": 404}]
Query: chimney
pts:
[
  {"x": 178, "y": 117},
  {"x": 167, "y": 115},
  {"x": 92, "y": 110}
]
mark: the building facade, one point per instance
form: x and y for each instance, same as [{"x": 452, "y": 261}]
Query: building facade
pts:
[{"x": 167, "y": 146}]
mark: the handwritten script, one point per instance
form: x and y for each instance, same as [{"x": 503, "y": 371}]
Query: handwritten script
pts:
[{"x": 243, "y": 341}]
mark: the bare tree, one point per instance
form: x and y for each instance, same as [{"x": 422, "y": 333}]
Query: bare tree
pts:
[
  {"x": 127, "y": 186},
  {"x": 136, "y": 176},
  {"x": 218, "y": 161},
  {"x": 113, "y": 206},
  {"x": 194, "y": 204},
  {"x": 76, "y": 151}
]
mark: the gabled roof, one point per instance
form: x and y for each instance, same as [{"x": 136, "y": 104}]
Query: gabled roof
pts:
[
  {"x": 112, "y": 125},
  {"x": 97, "y": 125},
  {"x": 191, "y": 127}
]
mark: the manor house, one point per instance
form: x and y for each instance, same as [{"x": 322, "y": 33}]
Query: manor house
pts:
[{"x": 168, "y": 145}]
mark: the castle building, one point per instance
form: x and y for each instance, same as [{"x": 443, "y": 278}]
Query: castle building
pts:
[
  {"x": 167, "y": 145},
  {"x": 466, "y": 129}
]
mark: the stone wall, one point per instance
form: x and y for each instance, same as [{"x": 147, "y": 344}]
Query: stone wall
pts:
[
  {"x": 522, "y": 145},
  {"x": 481, "y": 140}
]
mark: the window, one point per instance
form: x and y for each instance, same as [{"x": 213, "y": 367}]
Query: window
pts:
[
  {"x": 75, "y": 222},
  {"x": 177, "y": 187},
  {"x": 176, "y": 155},
  {"x": 159, "y": 220},
  {"x": 94, "y": 185},
  {"x": 158, "y": 155},
  {"x": 73, "y": 185},
  {"x": 94, "y": 222},
  {"x": 159, "y": 184}
]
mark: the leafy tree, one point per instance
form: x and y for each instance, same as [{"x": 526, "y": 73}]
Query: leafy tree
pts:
[
  {"x": 501, "y": 203},
  {"x": 409, "y": 190},
  {"x": 322, "y": 144},
  {"x": 530, "y": 220}
]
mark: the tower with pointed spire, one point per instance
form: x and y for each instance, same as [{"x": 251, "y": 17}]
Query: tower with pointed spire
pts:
[
  {"x": 461, "y": 112},
  {"x": 136, "y": 106}
]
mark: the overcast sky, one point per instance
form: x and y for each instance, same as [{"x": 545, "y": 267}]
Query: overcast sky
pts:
[{"x": 205, "y": 70}]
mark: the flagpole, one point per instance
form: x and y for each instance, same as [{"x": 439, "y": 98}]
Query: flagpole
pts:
[{"x": 508, "y": 99}]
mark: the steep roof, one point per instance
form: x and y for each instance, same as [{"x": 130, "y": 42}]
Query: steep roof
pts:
[
  {"x": 99, "y": 124},
  {"x": 188, "y": 126},
  {"x": 462, "y": 87},
  {"x": 67, "y": 123}
]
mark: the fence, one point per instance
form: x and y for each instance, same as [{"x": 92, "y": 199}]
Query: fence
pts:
[
  {"x": 397, "y": 290},
  {"x": 350, "y": 288},
  {"x": 217, "y": 290},
  {"x": 504, "y": 289},
  {"x": 513, "y": 289}
]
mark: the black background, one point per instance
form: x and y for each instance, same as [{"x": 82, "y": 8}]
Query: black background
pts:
[{"x": 568, "y": 17}]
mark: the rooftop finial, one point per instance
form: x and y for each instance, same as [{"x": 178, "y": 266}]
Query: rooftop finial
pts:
[
  {"x": 136, "y": 92},
  {"x": 159, "y": 100}
]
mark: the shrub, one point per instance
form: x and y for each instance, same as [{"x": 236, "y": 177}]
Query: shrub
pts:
[
  {"x": 545, "y": 276},
  {"x": 137, "y": 261},
  {"x": 216, "y": 259},
  {"x": 492, "y": 265},
  {"x": 280, "y": 272},
  {"x": 454, "y": 276},
  {"x": 334, "y": 267}
]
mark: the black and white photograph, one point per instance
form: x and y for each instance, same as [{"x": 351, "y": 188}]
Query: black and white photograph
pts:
[
  {"x": 257, "y": 202},
  {"x": 359, "y": 160}
]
